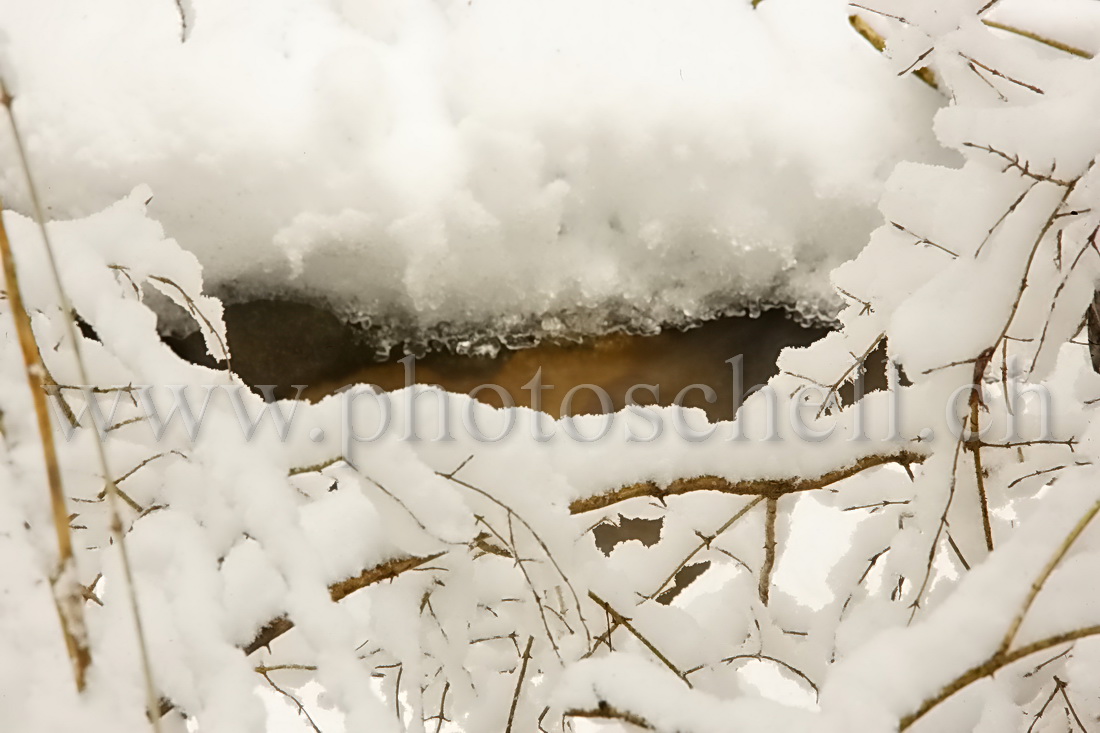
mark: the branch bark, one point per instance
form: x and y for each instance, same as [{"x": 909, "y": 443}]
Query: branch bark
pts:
[
  {"x": 769, "y": 550},
  {"x": 606, "y": 712},
  {"x": 767, "y": 487},
  {"x": 275, "y": 628},
  {"x": 993, "y": 665}
]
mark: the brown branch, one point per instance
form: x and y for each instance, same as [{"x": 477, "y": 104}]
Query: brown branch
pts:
[
  {"x": 386, "y": 571},
  {"x": 1066, "y": 193},
  {"x": 1065, "y": 47},
  {"x": 625, "y": 622},
  {"x": 940, "y": 530},
  {"x": 1004, "y": 215},
  {"x": 1090, "y": 244},
  {"x": 315, "y": 468},
  {"x": 515, "y": 556},
  {"x": 199, "y": 318},
  {"x": 704, "y": 545},
  {"x": 983, "y": 498},
  {"x": 519, "y": 684},
  {"x": 1043, "y": 471},
  {"x": 1042, "y": 710},
  {"x": 769, "y": 550},
  {"x": 760, "y": 657},
  {"x": 1048, "y": 569},
  {"x": 1024, "y": 168},
  {"x": 1001, "y": 74},
  {"x": 991, "y": 666},
  {"x": 766, "y": 487},
  {"x": 923, "y": 240},
  {"x": 873, "y": 37},
  {"x": 185, "y": 30},
  {"x": 442, "y": 708},
  {"x": 1062, "y": 685},
  {"x": 542, "y": 544},
  {"x": 857, "y": 363},
  {"x": 482, "y": 543},
  {"x": 975, "y": 446},
  {"x": 606, "y": 712},
  {"x": 265, "y": 673},
  {"x": 866, "y": 308},
  {"x": 605, "y": 637}
]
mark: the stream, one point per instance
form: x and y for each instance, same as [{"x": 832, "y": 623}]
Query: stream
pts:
[{"x": 285, "y": 343}]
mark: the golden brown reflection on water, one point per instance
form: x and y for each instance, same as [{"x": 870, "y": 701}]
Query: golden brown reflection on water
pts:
[
  {"x": 284, "y": 344},
  {"x": 671, "y": 362}
]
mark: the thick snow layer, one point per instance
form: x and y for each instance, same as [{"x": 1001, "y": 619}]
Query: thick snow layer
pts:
[
  {"x": 449, "y": 164},
  {"x": 441, "y": 576}
]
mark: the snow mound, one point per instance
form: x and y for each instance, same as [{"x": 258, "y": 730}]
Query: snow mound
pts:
[{"x": 437, "y": 165}]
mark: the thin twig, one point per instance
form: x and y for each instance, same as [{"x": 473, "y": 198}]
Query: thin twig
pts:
[
  {"x": 993, "y": 665},
  {"x": 1048, "y": 569},
  {"x": 1024, "y": 168},
  {"x": 442, "y": 707},
  {"x": 857, "y": 363},
  {"x": 923, "y": 240},
  {"x": 1002, "y": 75},
  {"x": 606, "y": 712},
  {"x": 1063, "y": 688},
  {"x": 704, "y": 545},
  {"x": 519, "y": 684},
  {"x": 765, "y": 658},
  {"x": 873, "y": 37},
  {"x": 338, "y": 591},
  {"x": 769, "y": 550},
  {"x": 979, "y": 475},
  {"x": 297, "y": 703},
  {"x": 1065, "y": 47},
  {"x": 546, "y": 550},
  {"x": 625, "y": 622}
]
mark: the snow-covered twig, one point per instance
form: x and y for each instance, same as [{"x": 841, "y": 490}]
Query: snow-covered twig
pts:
[{"x": 766, "y": 487}]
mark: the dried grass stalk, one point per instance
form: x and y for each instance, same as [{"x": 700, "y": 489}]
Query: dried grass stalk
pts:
[{"x": 67, "y": 593}]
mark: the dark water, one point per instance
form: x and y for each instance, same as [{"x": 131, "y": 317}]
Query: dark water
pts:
[{"x": 284, "y": 343}]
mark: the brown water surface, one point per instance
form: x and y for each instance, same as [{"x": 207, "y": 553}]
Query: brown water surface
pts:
[{"x": 284, "y": 343}]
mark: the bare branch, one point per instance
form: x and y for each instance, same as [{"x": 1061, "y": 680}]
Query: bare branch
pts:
[
  {"x": 1006, "y": 77},
  {"x": 873, "y": 37},
  {"x": 769, "y": 550},
  {"x": 993, "y": 665},
  {"x": 704, "y": 544},
  {"x": 386, "y": 571},
  {"x": 519, "y": 684},
  {"x": 265, "y": 673},
  {"x": 625, "y": 622},
  {"x": 606, "y": 712},
  {"x": 1048, "y": 569},
  {"x": 1024, "y": 168},
  {"x": 1040, "y": 39},
  {"x": 766, "y": 487}
]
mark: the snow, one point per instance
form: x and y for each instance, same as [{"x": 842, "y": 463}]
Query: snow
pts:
[
  {"x": 622, "y": 682},
  {"x": 398, "y": 159},
  {"x": 457, "y": 168}
]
